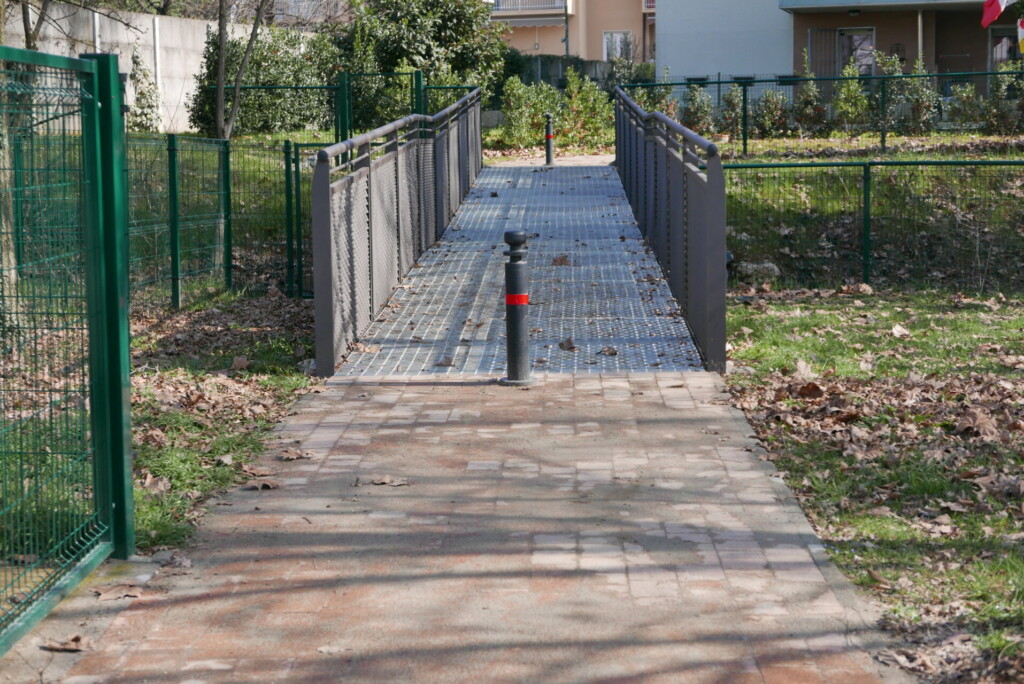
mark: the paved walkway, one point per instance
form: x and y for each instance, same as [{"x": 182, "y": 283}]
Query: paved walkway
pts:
[{"x": 611, "y": 523}]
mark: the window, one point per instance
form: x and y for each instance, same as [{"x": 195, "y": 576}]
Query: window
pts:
[
  {"x": 858, "y": 44},
  {"x": 618, "y": 44},
  {"x": 1003, "y": 40}
]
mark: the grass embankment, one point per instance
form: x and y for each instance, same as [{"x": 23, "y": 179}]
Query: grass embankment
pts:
[
  {"x": 898, "y": 419},
  {"x": 208, "y": 384}
]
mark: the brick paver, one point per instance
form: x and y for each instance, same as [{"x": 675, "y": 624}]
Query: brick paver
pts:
[{"x": 609, "y": 523}]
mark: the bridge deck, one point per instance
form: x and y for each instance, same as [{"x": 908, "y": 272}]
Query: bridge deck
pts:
[{"x": 592, "y": 280}]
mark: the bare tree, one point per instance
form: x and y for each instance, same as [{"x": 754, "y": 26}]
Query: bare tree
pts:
[{"x": 226, "y": 119}]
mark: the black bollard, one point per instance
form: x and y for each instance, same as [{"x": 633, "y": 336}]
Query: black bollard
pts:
[
  {"x": 517, "y": 301},
  {"x": 549, "y": 142}
]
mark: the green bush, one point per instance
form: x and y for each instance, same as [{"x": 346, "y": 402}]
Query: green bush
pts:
[
  {"x": 808, "y": 112},
  {"x": 588, "y": 113},
  {"x": 892, "y": 89},
  {"x": 279, "y": 57},
  {"x": 771, "y": 114},
  {"x": 1001, "y": 116},
  {"x": 732, "y": 111},
  {"x": 922, "y": 100},
  {"x": 850, "y": 103},
  {"x": 698, "y": 111},
  {"x": 524, "y": 108},
  {"x": 965, "y": 107},
  {"x": 657, "y": 98}
]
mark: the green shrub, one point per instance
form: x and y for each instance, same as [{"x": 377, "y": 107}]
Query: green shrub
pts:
[
  {"x": 144, "y": 115},
  {"x": 808, "y": 112},
  {"x": 732, "y": 111},
  {"x": 1001, "y": 116},
  {"x": 524, "y": 108},
  {"x": 887, "y": 116},
  {"x": 657, "y": 98},
  {"x": 922, "y": 101},
  {"x": 850, "y": 103},
  {"x": 771, "y": 114},
  {"x": 279, "y": 57},
  {"x": 698, "y": 111},
  {"x": 588, "y": 113},
  {"x": 965, "y": 107}
]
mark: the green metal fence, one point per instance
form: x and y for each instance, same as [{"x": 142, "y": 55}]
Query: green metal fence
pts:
[
  {"x": 771, "y": 115},
  {"x": 179, "y": 218},
  {"x": 948, "y": 224},
  {"x": 65, "y": 483}
]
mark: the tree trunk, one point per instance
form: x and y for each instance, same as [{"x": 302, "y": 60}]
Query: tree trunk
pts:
[
  {"x": 226, "y": 121},
  {"x": 8, "y": 257}
]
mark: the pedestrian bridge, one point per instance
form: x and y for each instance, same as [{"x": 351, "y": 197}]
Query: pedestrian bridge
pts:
[{"x": 627, "y": 262}]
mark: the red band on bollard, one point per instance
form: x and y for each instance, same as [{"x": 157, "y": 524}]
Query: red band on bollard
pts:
[
  {"x": 517, "y": 299},
  {"x": 549, "y": 137}
]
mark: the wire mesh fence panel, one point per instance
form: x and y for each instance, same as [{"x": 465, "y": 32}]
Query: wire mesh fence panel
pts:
[
  {"x": 770, "y": 115},
  {"x": 149, "y": 240},
  {"x": 55, "y": 520},
  {"x": 956, "y": 227},
  {"x": 304, "y": 161},
  {"x": 201, "y": 218},
  {"x": 795, "y": 226},
  {"x": 259, "y": 215}
]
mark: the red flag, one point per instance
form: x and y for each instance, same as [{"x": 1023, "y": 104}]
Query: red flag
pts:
[{"x": 992, "y": 9}]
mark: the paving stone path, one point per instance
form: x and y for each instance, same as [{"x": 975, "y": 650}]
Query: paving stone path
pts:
[{"x": 611, "y": 523}]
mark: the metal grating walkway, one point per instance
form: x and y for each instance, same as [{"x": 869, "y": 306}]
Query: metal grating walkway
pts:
[{"x": 591, "y": 279}]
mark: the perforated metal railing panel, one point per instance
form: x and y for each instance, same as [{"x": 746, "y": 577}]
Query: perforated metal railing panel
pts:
[{"x": 591, "y": 279}]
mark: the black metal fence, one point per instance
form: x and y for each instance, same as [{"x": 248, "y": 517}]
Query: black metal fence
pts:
[
  {"x": 379, "y": 201},
  {"x": 673, "y": 179}
]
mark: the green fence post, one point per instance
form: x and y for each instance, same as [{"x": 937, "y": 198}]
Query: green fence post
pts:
[
  {"x": 297, "y": 207},
  {"x": 885, "y": 113},
  {"x": 746, "y": 118},
  {"x": 225, "y": 198},
  {"x": 174, "y": 218},
  {"x": 113, "y": 424},
  {"x": 866, "y": 226},
  {"x": 289, "y": 221},
  {"x": 419, "y": 95},
  {"x": 342, "y": 117}
]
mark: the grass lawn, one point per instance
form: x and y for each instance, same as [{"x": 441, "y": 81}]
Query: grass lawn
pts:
[
  {"x": 208, "y": 385},
  {"x": 898, "y": 419}
]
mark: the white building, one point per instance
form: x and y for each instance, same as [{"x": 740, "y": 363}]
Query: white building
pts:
[{"x": 727, "y": 37}]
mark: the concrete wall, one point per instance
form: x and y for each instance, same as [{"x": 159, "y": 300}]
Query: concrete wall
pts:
[
  {"x": 172, "y": 47},
  {"x": 731, "y": 37}
]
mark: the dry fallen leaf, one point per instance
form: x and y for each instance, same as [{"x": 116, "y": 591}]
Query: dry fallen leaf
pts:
[
  {"x": 380, "y": 480},
  {"x": 261, "y": 484},
  {"x": 561, "y": 260},
  {"x": 609, "y": 351},
  {"x": 113, "y": 592},
  {"x": 899, "y": 332},
  {"x": 446, "y": 362},
  {"x": 240, "y": 363},
  {"x": 568, "y": 345},
  {"x": 294, "y": 455},
  {"x": 975, "y": 422},
  {"x": 72, "y": 644}
]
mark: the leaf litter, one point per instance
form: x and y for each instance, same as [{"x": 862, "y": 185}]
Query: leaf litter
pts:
[{"x": 910, "y": 465}]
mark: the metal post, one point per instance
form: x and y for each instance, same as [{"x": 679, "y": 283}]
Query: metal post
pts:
[
  {"x": 175, "y": 219},
  {"x": 885, "y": 113},
  {"x": 111, "y": 405},
  {"x": 342, "y": 117},
  {"x": 745, "y": 118},
  {"x": 289, "y": 221},
  {"x": 866, "y": 226},
  {"x": 549, "y": 142},
  {"x": 419, "y": 94},
  {"x": 300, "y": 269},
  {"x": 225, "y": 194},
  {"x": 517, "y": 301}
]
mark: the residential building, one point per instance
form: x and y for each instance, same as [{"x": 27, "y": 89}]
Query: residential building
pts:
[
  {"x": 947, "y": 34},
  {"x": 590, "y": 29},
  {"x": 723, "y": 38}
]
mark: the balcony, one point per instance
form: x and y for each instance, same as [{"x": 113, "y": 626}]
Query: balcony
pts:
[
  {"x": 649, "y": 6},
  {"x": 525, "y": 7},
  {"x": 865, "y": 5}
]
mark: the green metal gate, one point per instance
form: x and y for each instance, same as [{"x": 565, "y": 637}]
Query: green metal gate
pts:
[{"x": 65, "y": 483}]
